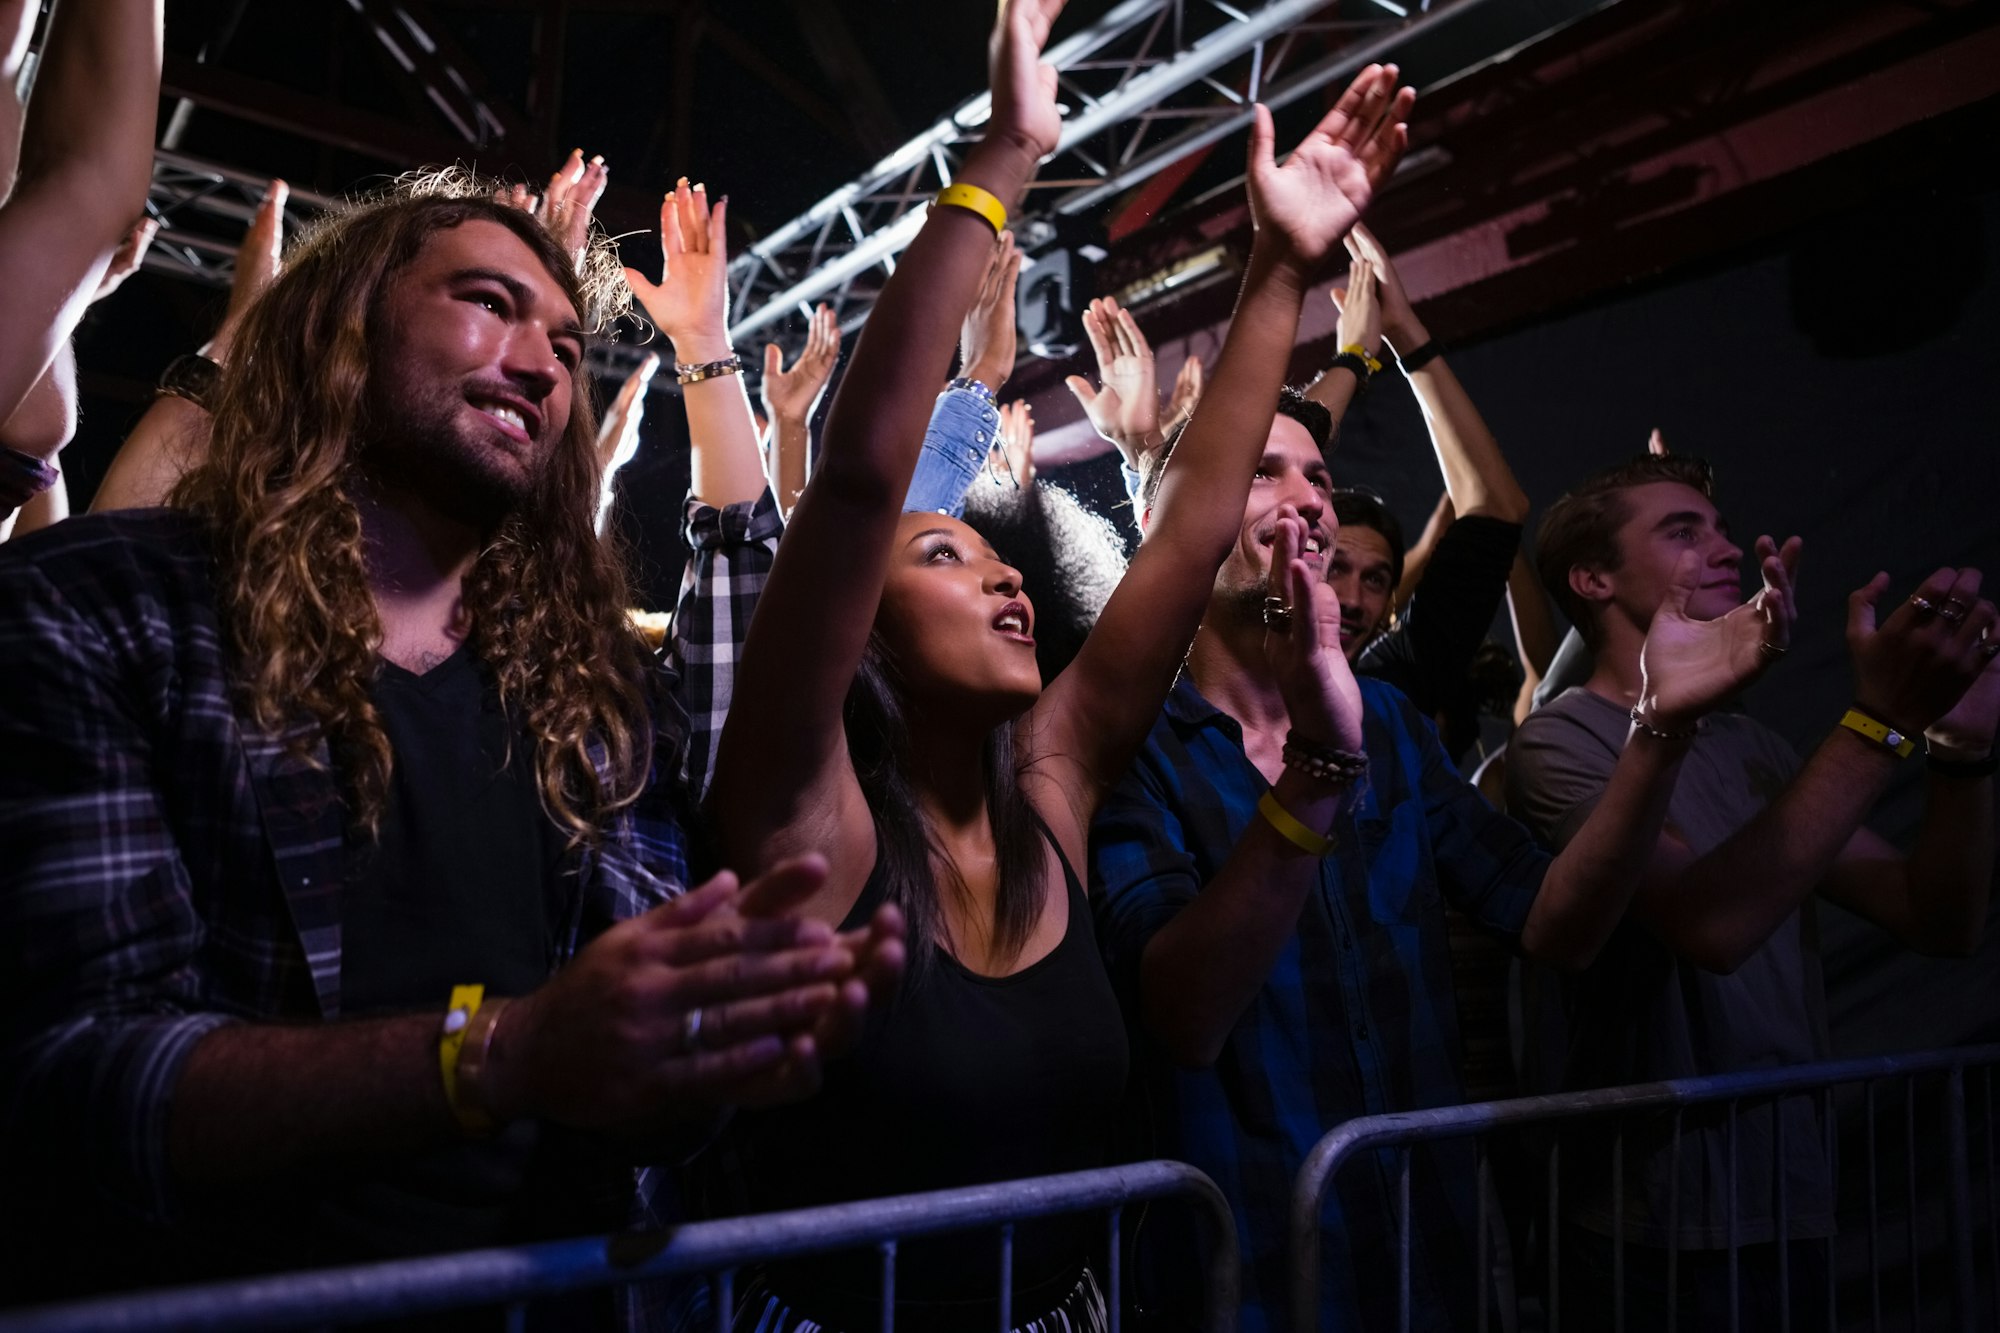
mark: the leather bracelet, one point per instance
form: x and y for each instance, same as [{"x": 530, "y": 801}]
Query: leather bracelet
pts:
[
  {"x": 1290, "y": 829},
  {"x": 1660, "y": 734},
  {"x": 1324, "y": 762},
  {"x": 1969, "y": 770},
  {"x": 1420, "y": 357},
  {"x": 1356, "y": 365},
  {"x": 475, "y": 1103},
  {"x": 1869, "y": 727},
  {"x": 708, "y": 370},
  {"x": 193, "y": 377}
]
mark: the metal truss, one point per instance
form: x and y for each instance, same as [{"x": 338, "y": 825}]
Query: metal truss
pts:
[
  {"x": 203, "y": 210},
  {"x": 1150, "y": 83}
]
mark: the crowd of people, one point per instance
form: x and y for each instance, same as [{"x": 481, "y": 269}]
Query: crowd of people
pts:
[{"x": 374, "y": 883}]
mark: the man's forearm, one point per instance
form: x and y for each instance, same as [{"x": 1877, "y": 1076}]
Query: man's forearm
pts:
[
  {"x": 256, "y": 1100},
  {"x": 1590, "y": 884},
  {"x": 791, "y": 442},
  {"x": 725, "y": 464},
  {"x": 1722, "y": 907},
  {"x": 1203, "y": 968}
]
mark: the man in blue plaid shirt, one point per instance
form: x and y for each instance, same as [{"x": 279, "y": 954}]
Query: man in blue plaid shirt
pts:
[
  {"x": 1270, "y": 882},
  {"x": 343, "y": 859}
]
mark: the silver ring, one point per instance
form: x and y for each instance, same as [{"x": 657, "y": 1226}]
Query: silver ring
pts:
[
  {"x": 1925, "y": 606},
  {"x": 1277, "y": 614},
  {"x": 1771, "y": 650},
  {"x": 691, "y": 1029},
  {"x": 1950, "y": 616}
]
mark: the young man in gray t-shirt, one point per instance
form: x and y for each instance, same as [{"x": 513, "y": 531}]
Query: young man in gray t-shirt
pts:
[{"x": 1716, "y": 968}]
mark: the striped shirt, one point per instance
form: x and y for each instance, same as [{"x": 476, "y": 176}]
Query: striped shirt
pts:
[{"x": 1356, "y": 1017}]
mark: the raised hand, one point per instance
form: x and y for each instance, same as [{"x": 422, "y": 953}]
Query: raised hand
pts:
[
  {"x": 1024, "y": 89},
  {"x": 125, "y": 261},
  {"x": 1306, "y": 206},
  {"x": 1360, "y": 310},
  {"x": 1126, "y": 408},
  {"x": 690, "y": 303},
  {"x": 1011, "y": 460},
  {"x": 986, "y": 341},
  {"x": 1656, "y": 444},
  {"x": 1186, "y": 393},
  {"x": 1400, "y": 324},
  {"x": 618, "y": 434},
  {"x": 1916, "y": 669},
  {"x": 1688, "y": 667},
  {"x": 1303, "y": 647},
  {"x": 676, "y": 1010},
  {"x": 792, "y": 395},
  {"x": 570, "y": 201},
  {"x": 257, "y": 261}
]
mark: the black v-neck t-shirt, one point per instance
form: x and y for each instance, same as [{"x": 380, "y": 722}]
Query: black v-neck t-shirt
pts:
[{"x": 465, "y": 883}]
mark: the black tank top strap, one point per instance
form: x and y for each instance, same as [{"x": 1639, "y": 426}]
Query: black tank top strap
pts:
[{"x": 1069, "y": 871}]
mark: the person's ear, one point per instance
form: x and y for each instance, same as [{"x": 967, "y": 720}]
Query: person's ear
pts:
[{"x": 1592, "y": 585}]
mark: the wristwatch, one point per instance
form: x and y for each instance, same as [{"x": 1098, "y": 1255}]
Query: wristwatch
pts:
[{"x": 194, "y": 377}]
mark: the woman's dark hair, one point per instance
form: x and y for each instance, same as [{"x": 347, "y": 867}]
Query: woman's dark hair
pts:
[{"x": 878, "y": 745}]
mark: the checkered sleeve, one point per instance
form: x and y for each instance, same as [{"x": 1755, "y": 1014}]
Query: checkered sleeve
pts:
[
  {"x": 730, "y": 553},
  {"x": 99, "y": 1003}
]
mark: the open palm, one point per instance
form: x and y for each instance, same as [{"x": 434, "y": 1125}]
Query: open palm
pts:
[
  {"x": 1316, "y": 196},
  {"x": 1688, "y": 666}
]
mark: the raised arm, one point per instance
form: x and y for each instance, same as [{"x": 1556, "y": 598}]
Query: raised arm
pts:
[
  {"x": 1360, "y": 325},
  {"x": 790, "y": 399},
  {"x": 86, "y": 163},
  {"x": 1475, "y": 472},
  {"x": 172, "y": 434},
  {"x": 618, "y": 434},
  {"x": 690, "y": 304},
  {"x": 782, "y": 778},
  {"x": 1097, "y": 712}
]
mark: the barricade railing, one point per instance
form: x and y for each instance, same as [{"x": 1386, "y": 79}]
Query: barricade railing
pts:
[
  {"x": 511, "y": 1277},
  {"x": 1403, "y": 1131}
]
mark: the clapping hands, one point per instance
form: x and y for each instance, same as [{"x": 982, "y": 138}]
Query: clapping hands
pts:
[{"x": 1688, "y": 667}]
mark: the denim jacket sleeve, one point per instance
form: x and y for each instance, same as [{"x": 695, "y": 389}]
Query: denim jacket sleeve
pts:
[{"x": 963, "y": 426}]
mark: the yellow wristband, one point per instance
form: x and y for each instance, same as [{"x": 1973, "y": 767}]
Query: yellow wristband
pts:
[
  {"x": 975, "y": 200},
  {"x": 458, "y": 1017},
  {"x": 1879, "y": 732},
  {"x": 1291, "y": 829},
  {"x": 1356, "y": 349}
]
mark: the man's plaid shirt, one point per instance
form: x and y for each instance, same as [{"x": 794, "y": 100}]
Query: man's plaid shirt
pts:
[
  {"x": 1356, "y": 1017},
  {"x": 166, "y": 869}
]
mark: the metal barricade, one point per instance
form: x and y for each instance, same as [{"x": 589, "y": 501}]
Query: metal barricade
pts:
[
  {"x": 1403, "y": 1131},
  {"x": 513, "y": 1276}
]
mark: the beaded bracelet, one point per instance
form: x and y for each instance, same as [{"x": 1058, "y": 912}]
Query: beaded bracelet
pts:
[
  {"x": 1659, "y": 734},
  {"x": 1324, "y": 762}
]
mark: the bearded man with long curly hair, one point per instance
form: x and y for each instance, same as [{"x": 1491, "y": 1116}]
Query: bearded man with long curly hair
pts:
[{"x": 342, "y": 850}]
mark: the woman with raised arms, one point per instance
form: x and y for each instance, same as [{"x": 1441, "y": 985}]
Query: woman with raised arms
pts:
[{"x": 890, "y": 717}]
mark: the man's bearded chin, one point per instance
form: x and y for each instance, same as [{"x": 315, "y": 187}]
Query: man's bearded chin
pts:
[{"x": 426, "y": 457}]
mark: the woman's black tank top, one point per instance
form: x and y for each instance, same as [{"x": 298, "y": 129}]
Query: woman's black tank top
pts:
[{"x": 962, "y": 1079}]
